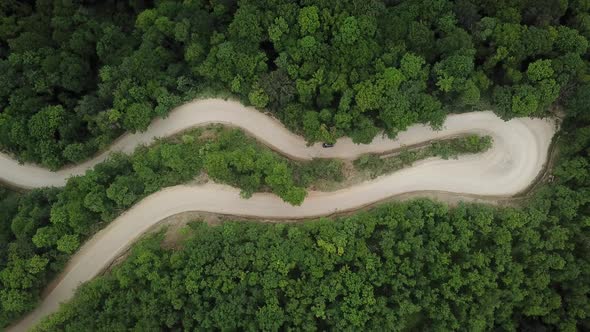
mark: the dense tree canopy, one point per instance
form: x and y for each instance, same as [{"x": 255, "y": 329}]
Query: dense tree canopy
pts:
[
  {"x": 40, "y": 229},
  {"x": 51, "y": 53},
  {"x": 77, "y": 74},
  {"x": 412, "y": 266},
  {"x": 48, "y": 225}
]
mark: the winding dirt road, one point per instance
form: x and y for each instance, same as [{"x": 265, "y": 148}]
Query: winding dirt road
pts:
[{"x": 520, "y": 148}]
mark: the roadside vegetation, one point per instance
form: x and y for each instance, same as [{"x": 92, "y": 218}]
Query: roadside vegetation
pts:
[{"x": 375, "y": 165}]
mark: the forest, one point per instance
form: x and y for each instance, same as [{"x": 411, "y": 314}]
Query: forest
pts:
[
  {"x": 416, "y": 266},
  {"x": 75, "y": 75},
  {"x": 41, "y": 228}
]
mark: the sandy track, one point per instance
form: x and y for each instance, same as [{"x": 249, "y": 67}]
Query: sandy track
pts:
[
  {"x": 518, "y": 154},
  {"x": 268, "y": 131}
]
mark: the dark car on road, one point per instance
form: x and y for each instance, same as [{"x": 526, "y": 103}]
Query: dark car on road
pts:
[{"x": 327, "y": 145}]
